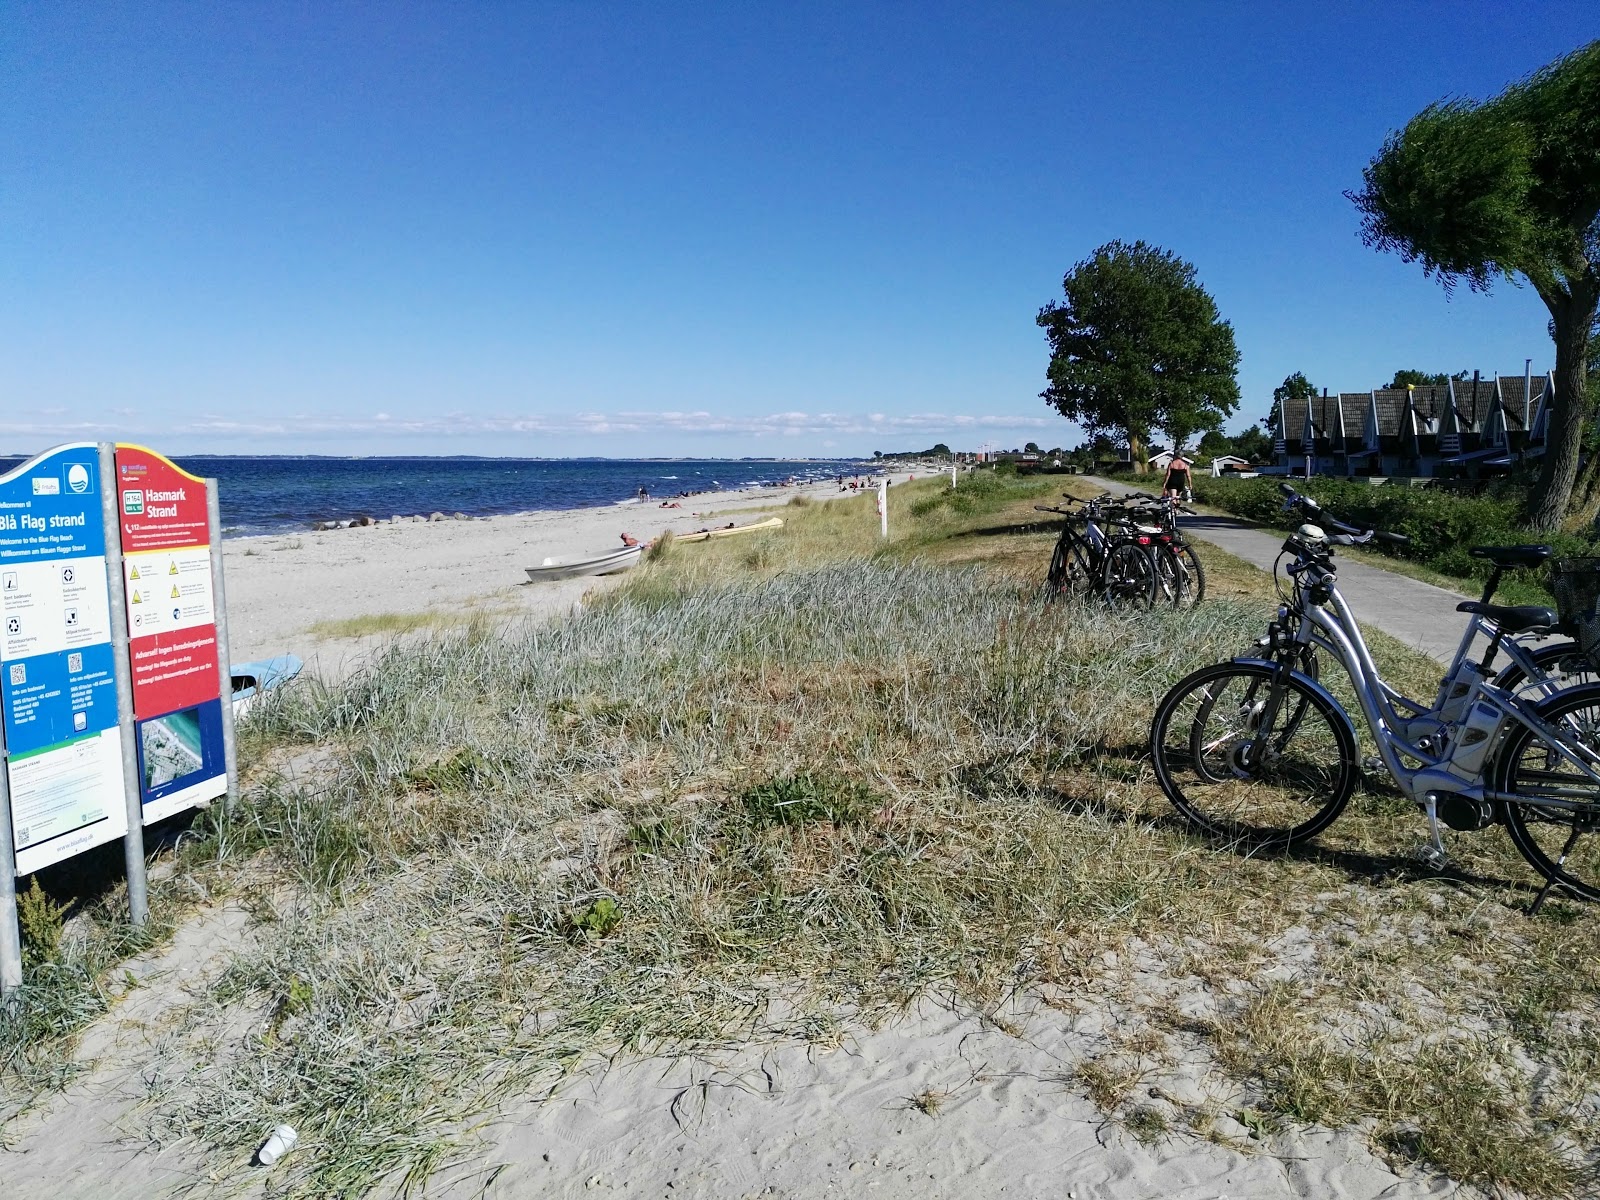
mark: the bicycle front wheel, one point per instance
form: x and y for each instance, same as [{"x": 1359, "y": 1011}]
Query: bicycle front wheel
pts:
[
  {"x": 1130, "y": 576},
  {"x": 1071, "y": 567},
  {"x": 1552, "y": 809},
  {"x": 1243, "y": 773}
]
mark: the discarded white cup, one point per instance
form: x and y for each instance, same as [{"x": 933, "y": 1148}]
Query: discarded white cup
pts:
[{"x": 275, "y": 1147}]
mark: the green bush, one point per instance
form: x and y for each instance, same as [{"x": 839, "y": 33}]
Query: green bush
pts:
[{"x": 1442, "y": 526}]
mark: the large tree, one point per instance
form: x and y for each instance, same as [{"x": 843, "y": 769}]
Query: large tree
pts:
[
  {"x": 1504, "y": 189},
  {"x": 1137, "y": 346}
]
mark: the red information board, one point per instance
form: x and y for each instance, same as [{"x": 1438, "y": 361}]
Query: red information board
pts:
[
  {"x": 172, "y": 623},
  {"x": 172, "y": 630}
]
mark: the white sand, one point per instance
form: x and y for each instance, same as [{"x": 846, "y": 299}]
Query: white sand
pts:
[{"x": 280, "y": 586}]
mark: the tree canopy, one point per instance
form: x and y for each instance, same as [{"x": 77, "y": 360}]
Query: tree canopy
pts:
[
  {"x": 1138, "y": 346},
  {"x": 1409, "y": 378},
  {"x": 1505, "y": 188},
  {"x": 1294, "y": 387}
]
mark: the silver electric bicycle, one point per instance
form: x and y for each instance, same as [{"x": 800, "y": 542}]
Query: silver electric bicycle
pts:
[{"x": 1257, "y": 750}]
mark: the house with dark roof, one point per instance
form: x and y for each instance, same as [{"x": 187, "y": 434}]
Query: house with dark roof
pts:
[{"x": 1464, "y": 428}]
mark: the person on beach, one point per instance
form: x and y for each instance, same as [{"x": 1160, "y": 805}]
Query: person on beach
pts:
[
  {"x": 1177, "y": 482},
  {"x": 629, "y": 541},
  {"x": 644, "y": 492}
]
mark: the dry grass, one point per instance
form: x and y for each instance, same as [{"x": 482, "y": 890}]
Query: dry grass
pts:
[{"x": 814, "y": 768}]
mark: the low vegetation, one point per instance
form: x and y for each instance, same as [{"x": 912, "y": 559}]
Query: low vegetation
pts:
[{"x": 813, "y": 772}]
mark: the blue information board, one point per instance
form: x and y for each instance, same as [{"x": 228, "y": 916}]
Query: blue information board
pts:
[{"x": 58, "y": 672}]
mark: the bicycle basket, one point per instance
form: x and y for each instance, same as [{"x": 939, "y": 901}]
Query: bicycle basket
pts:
[{"x": 1576, "y": 584}]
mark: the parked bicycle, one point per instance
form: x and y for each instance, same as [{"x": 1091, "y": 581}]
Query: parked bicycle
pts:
[
  {"x": 1131, "y": 553},
  {"x": 1180, "y": 577},
  {"x": 1257, "y": 750}
]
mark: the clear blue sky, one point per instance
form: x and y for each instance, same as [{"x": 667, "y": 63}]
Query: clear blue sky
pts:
[{"x": 723, "y": 229}]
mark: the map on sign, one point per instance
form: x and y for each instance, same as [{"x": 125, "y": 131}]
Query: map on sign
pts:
[{"x": 58, "y": 688}]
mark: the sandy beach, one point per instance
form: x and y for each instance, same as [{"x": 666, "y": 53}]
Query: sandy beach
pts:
[{"x": 281, "y": 587}]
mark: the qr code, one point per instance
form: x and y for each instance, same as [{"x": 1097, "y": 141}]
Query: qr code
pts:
[
  {"x": 19, "y": 674},
  {"x": 74, "y": 663}
]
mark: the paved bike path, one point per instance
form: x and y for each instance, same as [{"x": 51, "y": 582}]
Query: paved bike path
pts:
[{"x": 1417, "y": 613}]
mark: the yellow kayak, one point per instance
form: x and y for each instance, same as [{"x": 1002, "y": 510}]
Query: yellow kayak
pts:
[{"x": 730, "y": 531}]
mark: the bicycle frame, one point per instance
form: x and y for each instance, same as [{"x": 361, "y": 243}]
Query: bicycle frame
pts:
[{"x": 1332, "y": 627}]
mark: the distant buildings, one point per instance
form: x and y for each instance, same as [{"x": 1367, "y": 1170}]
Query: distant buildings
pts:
[{"x": 1461, "y": 428}]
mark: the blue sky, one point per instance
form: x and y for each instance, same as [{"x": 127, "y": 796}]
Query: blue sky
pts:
[{"x": 720, "y": 229}]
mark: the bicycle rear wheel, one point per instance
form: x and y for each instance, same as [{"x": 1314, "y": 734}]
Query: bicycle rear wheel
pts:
[
  {"x": 1129, "y": 576},
  {"x": 1554, "y": 813},
  {"x": 1180, "y": 579},
  {"x": 1558, "y": 666},
  {"x": 1244, "y": 778}
]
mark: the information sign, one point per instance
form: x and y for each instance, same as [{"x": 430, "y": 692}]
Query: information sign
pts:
[
  {"x": 172, "y": 632},
  {"x": 58, "y": 672}
]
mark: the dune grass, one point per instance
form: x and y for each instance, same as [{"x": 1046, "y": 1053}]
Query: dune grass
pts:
[{"x": 772, "y": 780}]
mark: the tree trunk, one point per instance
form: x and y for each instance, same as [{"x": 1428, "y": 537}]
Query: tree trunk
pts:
[
  {"x": 1572, "y": 316},
  {"x": 1136, "y": 454}
]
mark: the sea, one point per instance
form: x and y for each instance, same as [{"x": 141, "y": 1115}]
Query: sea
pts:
[{"x": 281, "y": 493}]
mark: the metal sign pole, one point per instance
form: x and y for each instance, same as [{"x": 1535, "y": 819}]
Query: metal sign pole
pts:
[
  {"x": 883, "y": 504},
  {"x": 10, "y": 932},
  {"x": 230, "y": 747},
  {"x": 133, "y": 840}
]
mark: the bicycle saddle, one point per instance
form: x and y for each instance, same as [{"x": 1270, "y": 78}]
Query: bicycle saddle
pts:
[
  {"x": 1512, "y": 556},
  {"x": 1513, "y": 619}
]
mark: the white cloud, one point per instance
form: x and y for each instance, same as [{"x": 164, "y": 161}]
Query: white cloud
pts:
[{"x": 788, "y": 424}]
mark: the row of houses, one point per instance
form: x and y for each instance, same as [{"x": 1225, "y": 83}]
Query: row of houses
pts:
[{"x": 1464, "y": 427}]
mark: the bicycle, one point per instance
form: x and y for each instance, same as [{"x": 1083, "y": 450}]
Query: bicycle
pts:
[
  {"x": 1116, "y": 564},
  {"x": 1180, "y": 577},
  {"x": 1257, "y": 751}
]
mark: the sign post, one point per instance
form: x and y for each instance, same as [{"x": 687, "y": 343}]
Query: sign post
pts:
[
  {"x": 114, "y": 690},
  {"x": 883, "y": 504},
  {"x": 133, "y": 839},
  {"x": 230, "y": 751}
]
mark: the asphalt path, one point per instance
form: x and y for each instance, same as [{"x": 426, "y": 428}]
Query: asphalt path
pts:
[{"x": 1417, "y": 613}]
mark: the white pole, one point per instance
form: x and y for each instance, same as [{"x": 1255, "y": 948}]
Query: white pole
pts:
[
  {"x": 883, "y": 504},
  {"x": 10, "y": 932},
  {"x": 952, "y": 472},
  {"x": 133, "y": 840},
  {"x": 230, "y": 748}
]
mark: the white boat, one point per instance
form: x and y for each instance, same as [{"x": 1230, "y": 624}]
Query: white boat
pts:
[
  {"x": 731, "y": 530},
  {"x": 608, "y": 563},
  {"x": 251, "y": 679}
]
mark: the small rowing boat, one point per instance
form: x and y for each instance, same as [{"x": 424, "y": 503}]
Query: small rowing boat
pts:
[
  {"x": 729, "y": 531},
  {"x": 608, "y": 563},
  {"x": 251, "y": 679}
]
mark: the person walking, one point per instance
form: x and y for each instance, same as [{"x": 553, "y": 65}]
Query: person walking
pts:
[{"x": 1177, "y": 482}]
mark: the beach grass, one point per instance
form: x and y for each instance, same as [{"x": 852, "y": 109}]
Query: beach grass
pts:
[{"x": 776, "y": 779}]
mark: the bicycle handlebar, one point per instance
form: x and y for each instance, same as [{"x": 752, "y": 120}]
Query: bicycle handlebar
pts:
[{"x": 1345, "y": 533}]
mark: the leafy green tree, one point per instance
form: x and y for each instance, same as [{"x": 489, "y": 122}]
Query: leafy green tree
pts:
[
  {"x": 1215, "y": 442},
  {"x": 940, "y": 450},
  {"x": 1294, "y": 387},
  {"x": 1032, "y": 448},
  {"x": 1508, "y": 188},
  {"x": 1138, "y": 346},
  {"x": 1254, "y": 443},
  {"x": 1422, "y": 379}
]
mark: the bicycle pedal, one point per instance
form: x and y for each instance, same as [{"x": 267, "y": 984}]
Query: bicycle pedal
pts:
[
  {"x": 1432, "y": 857},
  {"x": 1372, "y": 764}
]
